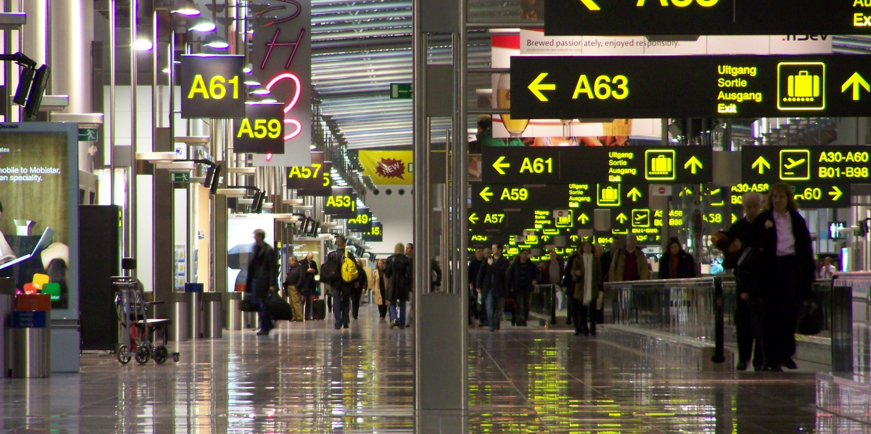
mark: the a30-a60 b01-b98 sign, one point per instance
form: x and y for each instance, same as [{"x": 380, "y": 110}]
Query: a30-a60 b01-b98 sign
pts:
[
  {"x": 719, "y": 86},
  {"x": 706, "y": 17},
  {"x": 261, "y": 131},
  {"x": 212, "y": 87}
]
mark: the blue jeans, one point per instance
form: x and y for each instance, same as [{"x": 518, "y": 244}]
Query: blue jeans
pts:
[
  {"x": 265, "y": 318},
  {"x": 341, "y": 305},
  {"x": 495, "y": 306},
  {"x": 400, "y": 315}
]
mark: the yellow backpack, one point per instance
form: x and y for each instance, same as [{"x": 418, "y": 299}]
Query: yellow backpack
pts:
[{"x": 349, "y": 269}]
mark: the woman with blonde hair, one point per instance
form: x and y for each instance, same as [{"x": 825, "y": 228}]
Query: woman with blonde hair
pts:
[
  {"x": 379, "y": 289},
  {"x": 397, "y": 268},
  {"x": 786, "y": 273}
]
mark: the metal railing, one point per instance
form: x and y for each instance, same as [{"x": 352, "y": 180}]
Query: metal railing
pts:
[
  {"x": 689, "y": 308},
  {"x": 843, "y": 286},
  {"x": 543, "y": 302},
  {"x": 822, "y": 291}
]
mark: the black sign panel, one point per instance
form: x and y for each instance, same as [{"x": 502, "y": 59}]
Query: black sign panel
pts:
[
  {"x": 706, "y": 17},
  {"x": 314, "y": 177},
  {"x": 808, "y": 195},
  {"x": 635, "y": 164},
  {"x": 689, "y": 86},
  {"x": 362, "y": 222},
  {"x": 261, "y": 131},
  {"x": 212, "y": 87},
  {"x": 375, "y": 234},
  {"x": 342, "y": 204},
  {"x": 814, "y": 164}
]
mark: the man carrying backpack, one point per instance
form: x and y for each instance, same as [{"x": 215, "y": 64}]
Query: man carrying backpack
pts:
[{"x": 341, "y": 281}]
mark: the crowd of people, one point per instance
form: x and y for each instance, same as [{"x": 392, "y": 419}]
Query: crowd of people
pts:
[{"x": 769, "y": 250}]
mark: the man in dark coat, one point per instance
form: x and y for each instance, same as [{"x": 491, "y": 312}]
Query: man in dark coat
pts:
[
  {"x": 360, "y": 285},
  {"x": 341, "y": 290},
  {"x": 481, "y": 288},
  {"x": 310, "y": 270},
  {"x": 568, "y": 283},
  {"x": 523, "y": 276},
  {"x": 474, "y": 267},
  {"x": 262, "y": 278},
  {"x": 748, "y": 319},
  {"x": 496, "y": 282}
]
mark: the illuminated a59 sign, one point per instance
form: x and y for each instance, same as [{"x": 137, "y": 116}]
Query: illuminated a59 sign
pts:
[{"x": 260, "y": 131}]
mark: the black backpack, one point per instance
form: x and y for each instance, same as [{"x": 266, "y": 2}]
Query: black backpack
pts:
[{"x": 330, "y": 271}]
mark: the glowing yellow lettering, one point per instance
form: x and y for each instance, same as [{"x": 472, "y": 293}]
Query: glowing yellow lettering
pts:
[
  {"x": 199, "y": 86},
  {"x": 245, "y": 128},
  {"x": 583, "y": 86}
]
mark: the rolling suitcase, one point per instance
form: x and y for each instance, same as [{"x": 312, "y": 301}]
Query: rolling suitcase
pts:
[{"x": 319, "y": 309}]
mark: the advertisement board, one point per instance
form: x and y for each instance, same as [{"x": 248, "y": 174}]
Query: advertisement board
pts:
[{"x": 39, "y": 218}]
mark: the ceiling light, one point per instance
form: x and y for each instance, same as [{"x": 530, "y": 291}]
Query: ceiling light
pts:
[
  {"x": 260, "y": 92},
  {"x": 203, "y": 25},
  {"x": 215, "y": 41},
  {"x": 247, "y": 69},
  {"x": 143, "y": 45},
  {"x": 269, "y": 101},
  {"x": 186, "y": 8},
  {"x": 166, "y": 70},
  {"x": 252, "y": 83}
]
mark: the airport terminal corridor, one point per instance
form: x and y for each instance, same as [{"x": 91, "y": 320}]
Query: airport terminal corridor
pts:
[{"x": 306, "y": 378}]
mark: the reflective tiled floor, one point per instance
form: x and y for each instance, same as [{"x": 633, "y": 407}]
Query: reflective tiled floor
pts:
[{"x": 309, "y": 378}]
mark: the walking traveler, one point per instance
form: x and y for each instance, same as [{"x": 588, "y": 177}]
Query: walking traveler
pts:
[
  {"x": 496, "y": 285},
  {"x": 551, "y": 274},
  {"x": 309, "y": 271},
  {"x": 341, "y": 289},
  {"x": 262, "y": 278},
  {"x": 676, "y": 263},
  {"x": 397, "y": 268},
  {"x": 587, "y": 273},
  {"x": 748, "y": 319},
  {"x": 482, "y": 288},
  {"x": 522, "y": 277},
  {"x": 787, "y": 273},
  {"x": 360, "y": 286},
  {"x": 629, "y": 263},
  {"x": 292, "y": 283},
  {"x": 826, "y": 269},
  {"x": 474, "y": 267},
  {"x": 409, "y": 253},
  {"x": 379, "y": 289},
  {"x": 568, "y": 283}
]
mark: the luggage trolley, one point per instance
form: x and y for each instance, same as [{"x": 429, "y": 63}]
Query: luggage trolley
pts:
[{"x": 137, "y": 329}]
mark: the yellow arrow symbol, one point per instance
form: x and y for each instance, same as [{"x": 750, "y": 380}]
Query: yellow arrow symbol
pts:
[
  {"x": 761, "y": 164},
  {"x": 486, "y": 194},
  {"x": 474, "y": 218},
  {"x": 536, "y": 87},
  {"x": 583, "y": 218},
  {"x": 574, "y": 238},
  {"x": 634, "y": 194},
  {"x": 734, "y": 219},
  {"x": 622, "y": 218},
  {"x": 856, "y": 80},
  {"x": 499, "y": 165},
  {"x": 693, "y": 164},
  {"x": 591, "y": 5},
  {"x": 836, "y": 193}
]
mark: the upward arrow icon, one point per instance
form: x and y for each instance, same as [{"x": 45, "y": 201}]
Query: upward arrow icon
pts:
[
  {"x": 761, "y": 164},
  {"x": 855, "y": 81}
]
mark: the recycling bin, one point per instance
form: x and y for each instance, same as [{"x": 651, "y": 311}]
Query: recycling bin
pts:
[
  {"x": 233, "y": 311},
  {"x": 180, "y": 314},
  {"x": 28, "y": 345}
]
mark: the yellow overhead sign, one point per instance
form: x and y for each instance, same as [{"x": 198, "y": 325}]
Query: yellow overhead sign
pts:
[{"x": 388, "y": 167}]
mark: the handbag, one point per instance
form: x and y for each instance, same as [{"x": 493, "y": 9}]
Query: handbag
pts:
[
  {"x": 810, "y": 319},
  {"x": 278, "y": 308},
  {"x": 247, "y": 304},
  {"x": 330, "y": 272}
]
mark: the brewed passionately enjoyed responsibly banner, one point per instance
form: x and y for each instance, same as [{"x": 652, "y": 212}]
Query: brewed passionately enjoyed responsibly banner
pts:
[{"x": 388, "y": 167}]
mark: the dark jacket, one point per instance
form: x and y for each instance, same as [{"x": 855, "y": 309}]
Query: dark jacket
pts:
[
  {"x": 568, "y": 280},
  {"x": 480, "y": 280},
  {"x": 579, "y": 272},
  {"x": 339, "y": 256},
  {"x": 619, "y": 263},
  {"x": 605, "y": 261},
  {"x": 397, "y": 269},
  {"x": 686, "y": 266},
  {"x": 767, "y": 237},
  {"x": 308, "y": 284},
  {"x": 362, "y": 282},
  {"x": 474, "y": 268},
  {"x": 741, "y": 230},
  {"x": 496, "y": 277},
  {"x": 294, "y": 277},
  {"x": 517, "y": 281},
  {"x": 262, "y": 271}
]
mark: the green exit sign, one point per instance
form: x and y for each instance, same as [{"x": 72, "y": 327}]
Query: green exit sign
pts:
[
  {"x": 88, "y": 134},
  {"x": 180, "y": 177},
  {"x": 400, "y": 91}
]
